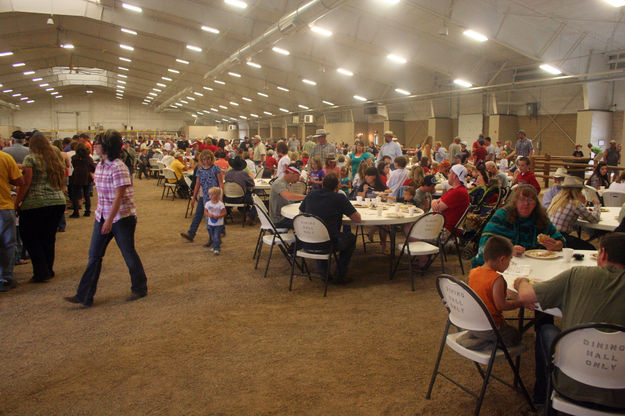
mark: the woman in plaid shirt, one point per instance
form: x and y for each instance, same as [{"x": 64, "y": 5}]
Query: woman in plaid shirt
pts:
[
  {"x": 115, "y": 217},
  {"x": 567, "y": 207}
]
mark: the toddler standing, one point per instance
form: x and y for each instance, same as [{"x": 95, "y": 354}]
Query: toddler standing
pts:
[{"x": 215, "y": 211}]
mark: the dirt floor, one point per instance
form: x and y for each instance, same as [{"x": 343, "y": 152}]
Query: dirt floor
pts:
[{"x": 214, "y": 337}]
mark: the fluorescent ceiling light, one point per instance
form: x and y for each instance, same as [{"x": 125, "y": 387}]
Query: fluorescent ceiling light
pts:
[
  {"x": 32, "y": 101},
  {"x": 236, "y": 3},
  {"x": 16, "y": 95},
  {"x": 234, "y": 74},
  {"x": 191, "y": 98},
  {"x": 243, "y": 117},
  {"x": 15, "y": 65},
  {"x": 389, "y": 2},
  {"x": 551, "y": 69},
  {"x": 66, "y": 46},
  {"x": 121, "y": 58},
  {"x": 321, "y": 31},
  {"x": 89, "y": 92},
  {"x": 402, "y": 92},
  {"x": 280, "y": 51},
  {"x": 208, "y": 88},
  {"x": 44, "y": 85},
  {"x": 284, "y": 110},
  {"x": 175, "y": 71},
  {"x": 268, "y": 113},
  {"x": 184, "y": 102},
  {"x": 309, "y": 82},
  {"x": 462, "y": 83},
  {"x": 210, "y": 29},
  {"x": 359, "y": 98},
  {"x": 147, "y": 103},
  {"x": 219, "y": 82},
  {"x": 26, "y": 98},
  {"x": 303, "y": 107},
  {"x": 127, "y": 47},
  {"x": 475, "y": 35},
  {"x": 262, "y": 94},
  {"x": 346, "y": 72},
  {"x": 132, "y": 8},
  {"x": 121, "y": 87},
  {"x": 7, "y": 53},
  {"x": 122, "y": 76},
  {"x": 166, "y": 79},
  {"x": 37, "y": 79},
  {"x": 194, "y": 48},
  {"x": 182, "y": 61},
  {"x": 130, "y": 32},
  {"x": 157, "y": 90},
  {"x": 254, "y": 64},
  {"x": 119, "y": 81},
  {"x": 160, "y": 84},
  {"x": 214, "y": 109},
  {"x": 199, "y": 94},
  {"x": 5, "y": 91},
  {"x": 194, "y": 115},
  {"x": 49, "y": 89},
  {"x": 397, "y": 59},
  {"x": 119, "y": 98},
  {"x": 225, "y": 119},
  {"x": 29, "y": 72},
  {"x": 123, "y": 68},
  {"x": 234, "y": 104},
  {"x": 153, "y": 94},
  {"x": 283, "y": 89},
  {"x": 223, "y": 106},
  {"x": 615, "y": 3},
  {"x": 58, "y": 96},
  {"x": 54, "y": 93},
  {"x": 246, "y": 99},
  {"x": 254, "y": 115}
]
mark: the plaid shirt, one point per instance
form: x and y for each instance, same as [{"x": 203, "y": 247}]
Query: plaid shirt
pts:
[
  {"x": 564, "y": 220},
  {"x": 108, "y": 177}
]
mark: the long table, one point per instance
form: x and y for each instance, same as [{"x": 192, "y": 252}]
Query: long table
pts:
[{"x": 607, "y": 222}]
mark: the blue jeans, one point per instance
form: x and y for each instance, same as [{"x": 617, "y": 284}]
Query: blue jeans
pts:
[
  {"x": 545, "y": 334},
  {"x": 214, "y": 232},
  {"x": 7, "y": 244},
  {"x": 124, "y": 233},
  {"x": 197, "y": 217}
]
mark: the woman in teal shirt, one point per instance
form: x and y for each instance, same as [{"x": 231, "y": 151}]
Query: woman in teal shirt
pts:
[{"x": 357, "y": 156}]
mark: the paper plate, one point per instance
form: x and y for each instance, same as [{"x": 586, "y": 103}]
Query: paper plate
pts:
[{"x": 542, "y": 254}]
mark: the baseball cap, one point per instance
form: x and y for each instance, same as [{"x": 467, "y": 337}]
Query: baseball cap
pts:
[
  {"x": 430, "y": 180},
  {"x": 460, "y": 171}
]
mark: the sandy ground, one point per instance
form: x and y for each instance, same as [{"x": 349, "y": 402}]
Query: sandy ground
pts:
[{"x": 214, "y": 337}]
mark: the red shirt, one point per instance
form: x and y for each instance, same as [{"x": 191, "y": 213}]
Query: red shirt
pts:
[
  {"x": 457, "y": 201},
  {"x": 528, "y": 178},
  {"x": 480, "y": 154},
  {"x": 212, "y": 148},
  {"x": 223, "y": 164},
  {"x": 271, "y": 162}
]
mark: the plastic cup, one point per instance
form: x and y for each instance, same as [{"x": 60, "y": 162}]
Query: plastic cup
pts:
[
  {"x": 380, "y": 209},
  {"x": 358, "y": 198},
  {"x": 411, "y": 211},
  {"x": 567, "y": 254}
]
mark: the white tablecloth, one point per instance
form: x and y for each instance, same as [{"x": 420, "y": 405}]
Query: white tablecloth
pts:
[
  {"x": 369, "y": 216},
  {"x": 607, "y": 222},
  {"x": 262, "y": 184}
]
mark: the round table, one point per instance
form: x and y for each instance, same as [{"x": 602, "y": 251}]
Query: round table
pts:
[
  {"x": 262, "y": 184},
  {"x": 369, "y": 217}
]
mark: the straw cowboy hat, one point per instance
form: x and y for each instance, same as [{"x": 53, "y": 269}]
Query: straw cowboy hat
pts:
[{"x": 572, "y": 182}]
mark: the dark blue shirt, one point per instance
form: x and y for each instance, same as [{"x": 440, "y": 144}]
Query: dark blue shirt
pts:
[{"x": 329, "y": 206}]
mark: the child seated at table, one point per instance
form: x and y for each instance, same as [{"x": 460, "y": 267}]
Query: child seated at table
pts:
[
  {"x": 345, "y": 181},
  {"x": 490, "y": 286},
  {"x": 215, "y": 211}
]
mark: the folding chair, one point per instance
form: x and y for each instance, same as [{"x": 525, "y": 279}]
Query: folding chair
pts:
[
  {"x": 571, "y": 352},
  {"x": 467, "y": 311},
  {"x": 310, "y": 229},
  {"x": 270, "y": 235},
  {"x": 155, "y": 169},
  {"x": 299, "y": 187},
  {"x": 233, "y": 190},
  {"x": 188, "y": 181},
  {"x": 613, "y": 198},
  {"x": 589, "y": 193},
  {"x": 427, "y": 228},
  {"x": 167, "y": 186}
]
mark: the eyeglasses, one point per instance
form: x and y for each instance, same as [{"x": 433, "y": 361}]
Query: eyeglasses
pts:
[{"x": 527, "y": 201}]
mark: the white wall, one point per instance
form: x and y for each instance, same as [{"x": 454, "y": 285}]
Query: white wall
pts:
[{"x": 45, "y": 114}]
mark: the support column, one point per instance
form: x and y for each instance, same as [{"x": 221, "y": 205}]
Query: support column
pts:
[
  {"x": 440, "y": 129},
  {"x": 594, "y": 126},
  {"x": 502, "y": 127}
]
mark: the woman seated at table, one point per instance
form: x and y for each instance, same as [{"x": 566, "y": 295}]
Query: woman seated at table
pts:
[
  {"x": 619, "y": 183},
  {"x": 567, "y": 207},
  {"x": 600, "y": 176},
  {"x": 359, "y": 176},
  {"x": 524, "y": 221},
  {"x": 371, "y": 185}
]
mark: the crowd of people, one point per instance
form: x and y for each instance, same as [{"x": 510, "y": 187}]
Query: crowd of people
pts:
[{"x": 431, "y": 177}]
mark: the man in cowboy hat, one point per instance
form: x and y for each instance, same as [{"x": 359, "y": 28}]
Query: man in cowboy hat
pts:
[
  {"x": 550, "y": 193},
  {"x": 390, "y": 148},
  {"x": 239, "y": 176},
  {"x": 322, "y": 149}
]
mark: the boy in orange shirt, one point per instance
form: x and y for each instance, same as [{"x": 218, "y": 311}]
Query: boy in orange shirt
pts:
[{"x": 490, "y": 286}]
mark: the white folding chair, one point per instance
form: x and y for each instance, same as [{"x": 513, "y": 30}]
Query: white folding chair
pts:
[
  {"x": 168, "y": 186},
  {"x": 589, "y": 192},
  {"x": 613, "y": 198},
  {"x": 155, "y": 169},
  {"x": 161, "y": 172},
  {"x": 270, "y": 235},
  {"x": 233, "y": 190},
  {"x": 467, "y": 311},
  {"x": 427, "y": 229},
  {"x": 310, "y": 229},
  {"x": 259, "y": 172},
  {"x": 188, "y": 181},
  {"x": 580, "y": 353},
  {"x": 299, "y": 187}
]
